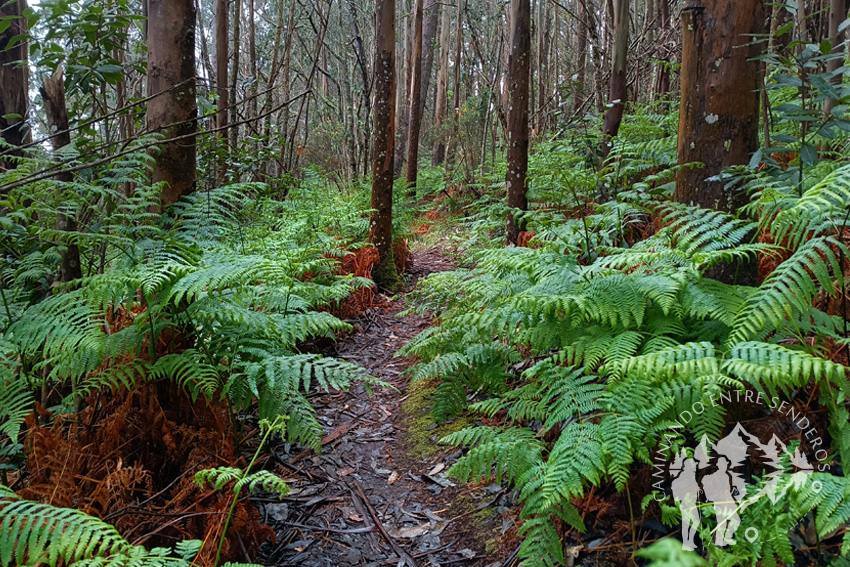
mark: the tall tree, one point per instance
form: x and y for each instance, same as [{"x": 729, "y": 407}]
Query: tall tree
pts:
[
  {"x": 619, "y": 80},
  {"x": 518, "y": 79},
  {"x": 441, "y": 101},
  {"x": 383, "y": 146},
  {"x": 171, "y": 77},
  {"x": 581, "y": 58},
  {"x": 719, "y": 112},
  {"x": 455, "y": 108},
  {"x": 14, "y": 78},
  {"x": 837, "y": 14},
  {"x": 53, "y": 97},
  {"x": 222, "y": 29},
  {"x": 414, "y": 109},
  {"x": 429, "y": 33}
]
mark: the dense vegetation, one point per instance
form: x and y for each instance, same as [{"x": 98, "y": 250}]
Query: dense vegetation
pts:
[{"x": 155, "y": 333}]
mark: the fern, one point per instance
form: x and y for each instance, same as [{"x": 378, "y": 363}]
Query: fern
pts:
[{"x": 32, "y": 533}]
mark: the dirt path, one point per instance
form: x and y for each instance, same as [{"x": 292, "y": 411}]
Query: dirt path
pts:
[{"x": 378, "y": 494}]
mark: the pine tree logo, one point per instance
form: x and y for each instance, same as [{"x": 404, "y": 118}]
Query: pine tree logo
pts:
[{"x": 714, "y": 476}]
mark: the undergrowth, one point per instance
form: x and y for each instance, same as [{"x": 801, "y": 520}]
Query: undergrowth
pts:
[
  {"x": 181, "y": 325},
  {"x": 587, "y": 346}
]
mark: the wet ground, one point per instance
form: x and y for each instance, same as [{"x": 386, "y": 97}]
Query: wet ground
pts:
[{"x": 374, "y": 496}]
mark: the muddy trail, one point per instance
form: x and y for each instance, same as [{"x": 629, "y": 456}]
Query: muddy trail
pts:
[{"x": 378, "y": 493}]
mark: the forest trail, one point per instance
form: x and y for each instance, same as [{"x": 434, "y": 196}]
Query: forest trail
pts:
[{"x": 370, "y": 468}]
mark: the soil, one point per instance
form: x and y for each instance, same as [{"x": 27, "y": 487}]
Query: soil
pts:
[{"x": 378, "y": 493}]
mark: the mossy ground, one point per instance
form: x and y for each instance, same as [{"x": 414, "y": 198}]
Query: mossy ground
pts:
[{"x": 422, "y": 432}]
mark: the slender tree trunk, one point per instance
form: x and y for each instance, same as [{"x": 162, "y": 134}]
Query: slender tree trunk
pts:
[
  {"x": 383, "y": 148},
  {"x": 252, "y": 55},
  {"x": 403, "y": 94},
  {"x": 719, "y": 114},
  {"x": 414, "y": 108},
  {"x": 579, "y": 88},
  {"x": 441, "y": 101},
  {"x": 364, "y": 76},
  {"x": 14, "y": 80},
  {"x": 663, "y": 83},
  {"x": 540, "y": 28},
  {"x": 837, "y": 14},
  {"x": 233, "y": 131},
  {"x": 53, "y": 98},
  {"x": 429, "y": 32},
  {"x": 619, "y": 79},
  {"x": 222, "y": 28},
  {"x": 518, "y": 73},
  {"x": 205, "y": 50},
  {"x": 455, "y": 108},
  {"x": 171, "y": 71}
]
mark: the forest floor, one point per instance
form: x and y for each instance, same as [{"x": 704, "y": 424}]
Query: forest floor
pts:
[{"x": 378, "y": 493}]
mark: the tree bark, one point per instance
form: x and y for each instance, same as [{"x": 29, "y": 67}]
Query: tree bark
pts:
[
  {"x": 171, "y": 71},
  {"x": 441, "y": 100},
  {"x": 581, "y": 58},
  {"x": 14, "y": 81},
  {"x": 233, "y": 131},
  {"x": 53, "y": 98},
  {"x": 222, "y": 28},
  {"x": 837, "y": 14},
  {"x": 429, "y": 32},
  {"x": 719, "y": 113},
  {"x": 619, "y": 81},
  {"x": 364, "y": 76},
  {"x": 403, "y": 94},
  {"x": 455, "y": 108},
  {"x": 414, "y": 110},
  {"x": 383, "y": 147},
  {"x": 518, "y": 73}
]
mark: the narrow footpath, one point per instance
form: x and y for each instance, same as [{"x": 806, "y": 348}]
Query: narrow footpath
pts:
[{"x": 378, "y": 494}]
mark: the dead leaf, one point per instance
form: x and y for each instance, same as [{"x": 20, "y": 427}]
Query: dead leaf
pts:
[
  {"x": 345, "y": 472},
  {"x": 355, "y": 518},
  {"x": 410, "y": 533},
  {"x": 437, "y": 469}
]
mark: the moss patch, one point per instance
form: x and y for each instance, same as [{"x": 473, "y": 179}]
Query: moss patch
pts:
[{"x": 422, "y": 431}]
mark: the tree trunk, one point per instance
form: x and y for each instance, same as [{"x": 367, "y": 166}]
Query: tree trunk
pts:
[
  {"x": 441, "y": 101},
  {"x": 233, "y": 131},
  {"x": 518, "y": 73},
  {"x": 429, "y": 32},
  {"x": 383, "y": 148},
  {"x": 171, "y": 71},
  {"x": 403, "y": 94},
  {"x": 14, "y": 79},
  {"x": 53, "y": 98},
  {"x": 414, "y": 108},
  {"x": 719, "y": 114},
  {"x": 619, "y": 80},
  {"x": 837, "y": 14},
  {"x": 455, "y": 108},
  {"x": 662, "y": 87},
  {"x": 579, "y": 88},
  {"x": 364, "y": 76},
  {"x": 540, "y": 25},
  {"x": 222, "y": 28}
]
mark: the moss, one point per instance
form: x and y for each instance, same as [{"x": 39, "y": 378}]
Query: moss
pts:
[
  {"x": 423, "y": 431},
  {"x": 386, "y": 275}
]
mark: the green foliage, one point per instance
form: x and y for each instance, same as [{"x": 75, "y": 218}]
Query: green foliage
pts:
[
  {"x": 599, "y": 336},
  {"x": 669, "y": 553},
  {"x": 33, "y": 533}
]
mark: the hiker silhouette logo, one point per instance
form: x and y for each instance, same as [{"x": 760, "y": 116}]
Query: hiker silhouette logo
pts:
[{"x": 714, "y": 476}]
